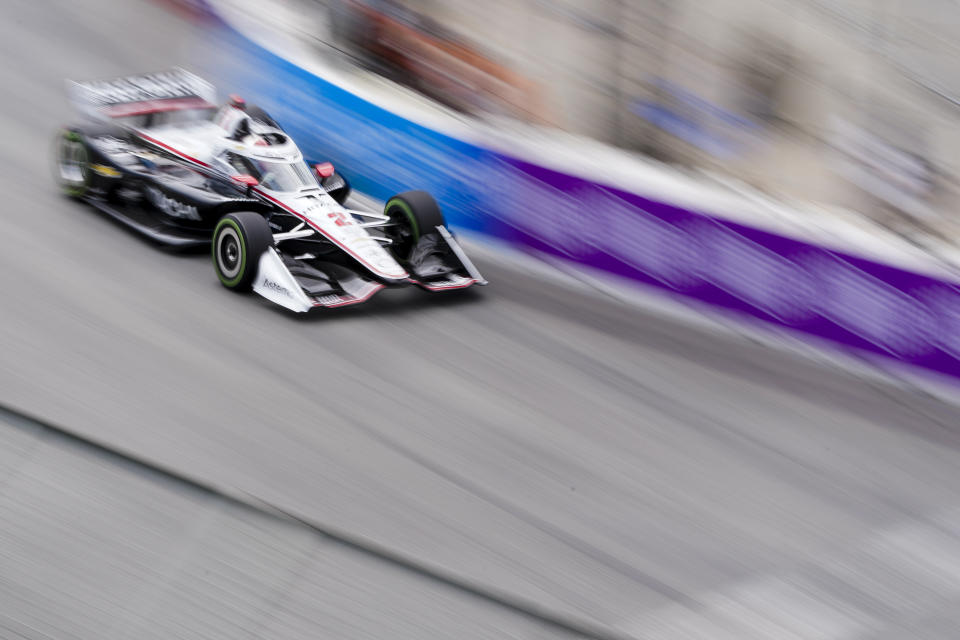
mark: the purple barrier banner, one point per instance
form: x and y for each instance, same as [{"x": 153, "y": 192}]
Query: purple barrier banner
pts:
[
  {"x": 851, "y": 302},
  {"x": 847, "y": 300}
]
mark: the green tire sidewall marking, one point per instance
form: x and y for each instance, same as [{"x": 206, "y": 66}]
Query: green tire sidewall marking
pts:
[
  {"x": 73, "y": 136},
  {"x": 403, "y": 206},
  {"x": 232, "y": 282}
]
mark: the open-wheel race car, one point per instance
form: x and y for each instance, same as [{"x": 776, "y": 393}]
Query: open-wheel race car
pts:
[{"x": 160, "y": 156}]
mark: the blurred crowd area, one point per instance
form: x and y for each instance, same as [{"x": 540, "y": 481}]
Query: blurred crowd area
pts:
[{"x": 852, "y": 103}]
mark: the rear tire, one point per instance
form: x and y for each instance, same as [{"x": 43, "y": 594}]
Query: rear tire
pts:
[
  {"x": 415, "y": 214},
  {"x": 73, "y": 164},
  {"x": 239, "y": 239}
]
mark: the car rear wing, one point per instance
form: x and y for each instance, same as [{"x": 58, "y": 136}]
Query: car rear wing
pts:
[{"x": 172, "y": 90}]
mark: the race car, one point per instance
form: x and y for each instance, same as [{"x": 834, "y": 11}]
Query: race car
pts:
[{"x": 160, "y": 156}]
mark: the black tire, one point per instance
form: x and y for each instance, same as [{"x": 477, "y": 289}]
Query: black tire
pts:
[
  {"x": 239, "y": 239},
  {"x": 73, "y": 163},
  {"x": 260, "y": 115},
  {"x": 414, "y": 214}
]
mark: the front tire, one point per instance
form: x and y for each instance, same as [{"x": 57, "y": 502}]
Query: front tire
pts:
[
  {"x": 239, "y": 239},
  {"x": 414, "y": 214}
]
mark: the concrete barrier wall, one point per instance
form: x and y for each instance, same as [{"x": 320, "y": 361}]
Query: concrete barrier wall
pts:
[{"x": 851, "y": 302}]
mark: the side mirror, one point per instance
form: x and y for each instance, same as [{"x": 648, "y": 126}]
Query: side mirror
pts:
[
  {"x": 324, "y": 170},
  {"x": 248, "y": 180}
]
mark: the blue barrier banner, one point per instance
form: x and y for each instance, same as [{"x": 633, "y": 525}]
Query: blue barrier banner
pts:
[{"x": 849, "y": 301}]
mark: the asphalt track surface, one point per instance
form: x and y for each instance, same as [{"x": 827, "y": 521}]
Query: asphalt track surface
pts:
[{"x": 579, "y": 456}]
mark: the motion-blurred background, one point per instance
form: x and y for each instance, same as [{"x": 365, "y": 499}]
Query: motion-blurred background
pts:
[{"x": 845, "y": 102}]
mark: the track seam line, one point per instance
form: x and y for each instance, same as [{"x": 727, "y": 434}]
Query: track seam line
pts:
[{"x": 246, "y": 500}]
